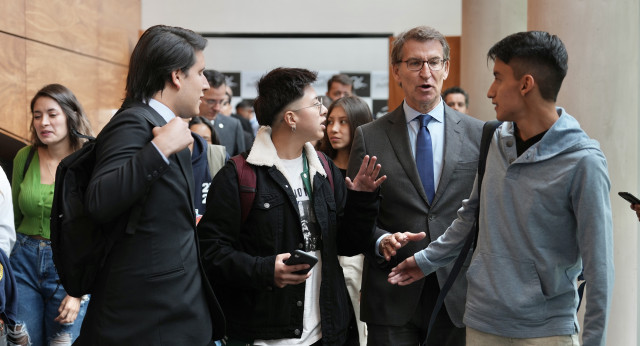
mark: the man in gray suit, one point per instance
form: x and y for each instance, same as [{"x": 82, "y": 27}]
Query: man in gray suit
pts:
[
  {"x": 400, "y": 315},
  {"x": 229, "y": 129}
]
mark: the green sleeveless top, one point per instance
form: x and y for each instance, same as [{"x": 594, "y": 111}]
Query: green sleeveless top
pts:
[{"x": 31, "y": 199}]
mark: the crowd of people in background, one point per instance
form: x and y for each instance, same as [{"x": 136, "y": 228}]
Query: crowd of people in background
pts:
[{"x": 384, "y": 206}]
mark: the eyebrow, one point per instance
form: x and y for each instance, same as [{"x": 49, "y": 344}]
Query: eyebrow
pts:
[{"x": 48, "y": 110}]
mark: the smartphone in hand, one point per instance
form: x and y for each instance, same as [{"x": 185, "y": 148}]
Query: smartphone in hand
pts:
[
  {"x": 301, "y": 257},
  {"x": 629, "y": 197}
]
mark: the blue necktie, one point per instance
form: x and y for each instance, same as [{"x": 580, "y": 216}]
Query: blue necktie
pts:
[{"x": 424, "y": 157}]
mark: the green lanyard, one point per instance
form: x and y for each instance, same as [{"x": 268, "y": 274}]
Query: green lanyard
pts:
[{"x": 306, "y": 180}]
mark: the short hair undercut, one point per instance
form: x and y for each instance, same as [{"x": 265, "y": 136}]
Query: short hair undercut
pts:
[{"x": 537, "y": 53}]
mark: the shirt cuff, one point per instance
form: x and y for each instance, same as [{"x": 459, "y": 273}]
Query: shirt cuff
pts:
[
  {"x": 377, "y": 249},
  {"x": 161, "y": 154}
]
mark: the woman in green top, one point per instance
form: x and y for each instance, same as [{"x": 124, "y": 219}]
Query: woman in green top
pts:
[{"x": 45, "y": 312}]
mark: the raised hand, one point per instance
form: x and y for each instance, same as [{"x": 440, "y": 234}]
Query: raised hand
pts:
[{"x": 366, "y": 180}]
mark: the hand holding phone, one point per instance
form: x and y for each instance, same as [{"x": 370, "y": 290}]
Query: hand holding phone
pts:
[
  {"x": 629, "y": 197},
  {"x": 301, "y": 257}
]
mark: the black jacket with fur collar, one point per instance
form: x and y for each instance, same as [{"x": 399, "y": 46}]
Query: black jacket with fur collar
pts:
[{"x": 240, "y": 258}]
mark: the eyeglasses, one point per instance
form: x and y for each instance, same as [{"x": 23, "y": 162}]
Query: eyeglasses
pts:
[
  {"x": 435, "y": 64},
  {"x": 212, "y": 102},
  {"x": 318, "y": 104}
]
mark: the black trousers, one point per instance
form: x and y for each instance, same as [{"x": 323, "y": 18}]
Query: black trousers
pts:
[{"x": 443, "y": 333}]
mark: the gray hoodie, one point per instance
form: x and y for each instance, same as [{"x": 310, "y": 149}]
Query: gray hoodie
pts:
[{"x": 543, "y": 216}]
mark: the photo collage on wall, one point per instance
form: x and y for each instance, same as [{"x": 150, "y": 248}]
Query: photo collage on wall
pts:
[{"x": 372, "y": 87}]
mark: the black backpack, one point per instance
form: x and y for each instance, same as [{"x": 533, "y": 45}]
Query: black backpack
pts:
[{"x": 78, "y": 243}]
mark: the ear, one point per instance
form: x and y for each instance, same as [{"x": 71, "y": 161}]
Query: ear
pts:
[
  {"x": 176, "y": 78},
  {"x": 290, "y": 118},
  {"x": 445, "y": 73},
  {"x": 394, "y": 70},
  {"x": 527, "y": 83}
]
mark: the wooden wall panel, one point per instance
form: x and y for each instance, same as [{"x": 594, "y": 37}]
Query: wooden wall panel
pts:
[
  {"x": 454, "y": 63},
  {"x": 12, "y": 18},
  {"x": 111, "y": 84},
  {"x": 396, "y": 95},
  {"x": 13, "y": 113},
  {"x": 82, "y": 44},
  {"x": 46, "y": 65},
  {"x": 71, "y": 24},
  {"x": 118, "y": 29}
]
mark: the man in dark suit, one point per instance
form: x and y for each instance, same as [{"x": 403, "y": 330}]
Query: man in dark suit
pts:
[
  {"x": 244, "y": 111},
  {"x": 414, "y": 204},
  {"x": 246, "y": 127},
  {"x": 152, "y": 289},
  {"x": 229, "y": 129}
]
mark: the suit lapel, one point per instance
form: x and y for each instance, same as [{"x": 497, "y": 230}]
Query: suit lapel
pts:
[
  {"x": 399, "y": 139},
  {"x": 183, "y": 157},
  {"x": 452, "y": 146}
]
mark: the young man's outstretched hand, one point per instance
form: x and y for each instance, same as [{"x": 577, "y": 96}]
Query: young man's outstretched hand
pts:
[{"x": 405, "y": 273}]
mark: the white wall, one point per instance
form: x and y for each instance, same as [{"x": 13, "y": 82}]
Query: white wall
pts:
[
  {"x": 326, "y": 55},
  {"x": 287, "y": 16},
  {"x": 347, "y": 54}
]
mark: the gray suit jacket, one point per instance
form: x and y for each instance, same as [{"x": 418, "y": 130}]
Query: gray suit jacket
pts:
[
  {"x": 230, "y": 132},
  {"x": 404, "y": 207}
]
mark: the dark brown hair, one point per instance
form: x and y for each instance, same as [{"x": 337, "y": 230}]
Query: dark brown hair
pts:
[{"x": 358, "y": 113}]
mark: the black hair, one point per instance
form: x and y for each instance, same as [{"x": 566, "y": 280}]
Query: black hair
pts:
[
  {"x": 456, "y": 90},
  {"x": 244, "y": 104},
  {"x": 215, "y": 78},
  {"x": 160, "y": 50},
  {"x": 279, "y": 88},
  {"x": 537, "y": 53}
]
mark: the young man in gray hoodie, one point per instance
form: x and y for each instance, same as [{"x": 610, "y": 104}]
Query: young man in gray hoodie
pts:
[{"x": 544, "y": 212}]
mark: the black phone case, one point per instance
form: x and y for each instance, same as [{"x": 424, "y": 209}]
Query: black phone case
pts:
[
  {"x": 629, "y": 197},
  {"x": 300, "y": 257}
]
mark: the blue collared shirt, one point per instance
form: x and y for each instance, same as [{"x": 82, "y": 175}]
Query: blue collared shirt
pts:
[{"x": 436, "y": 130}]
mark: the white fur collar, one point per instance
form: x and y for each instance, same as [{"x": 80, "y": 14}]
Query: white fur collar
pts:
[{"x": 263, "y": 153}]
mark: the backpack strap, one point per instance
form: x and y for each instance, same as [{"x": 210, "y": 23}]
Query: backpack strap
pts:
[
  {"x": 247, "y": 181},
  {"x": 488, "y": 130},
  {"x": 246, "y": 184},
  {"x": 327, "y": 169},
  {"x": 32, "y": 152}
]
